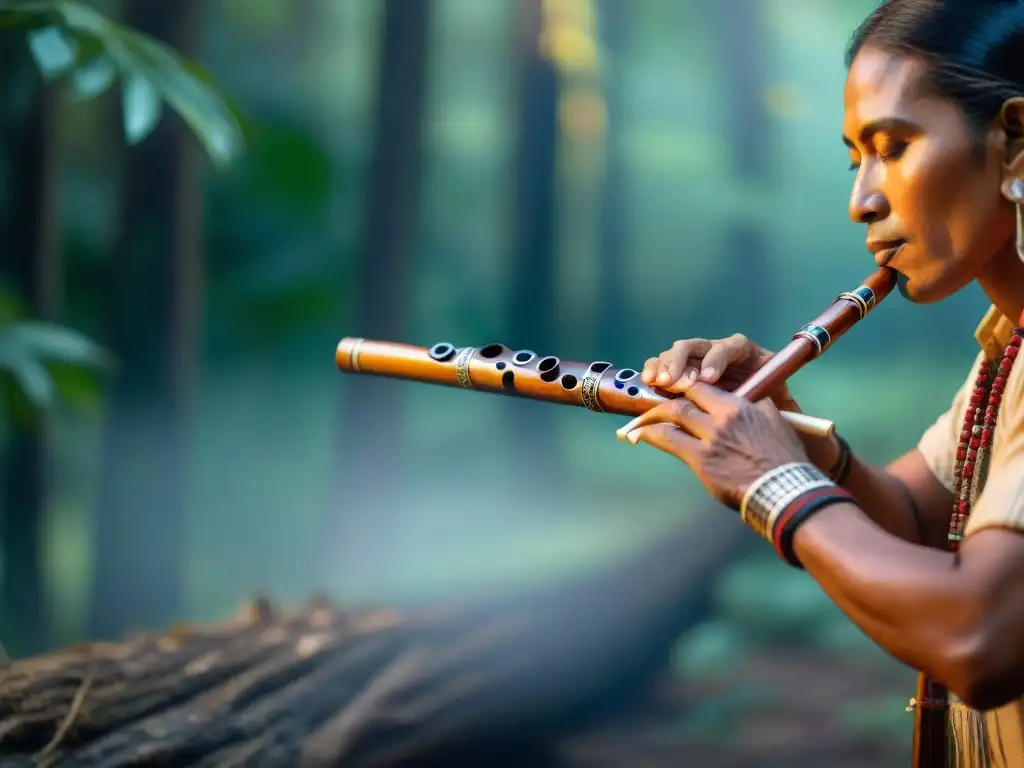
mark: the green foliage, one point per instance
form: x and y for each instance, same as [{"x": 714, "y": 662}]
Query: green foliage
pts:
[
  {"x": 27, "y": 348},
  {"x": 71, "y": 41}
]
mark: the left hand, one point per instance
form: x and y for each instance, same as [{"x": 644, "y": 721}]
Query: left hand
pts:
[{"x": 727, "y": 441}]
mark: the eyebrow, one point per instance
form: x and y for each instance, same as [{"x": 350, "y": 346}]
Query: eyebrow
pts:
[{"x": 886, "y": 125}]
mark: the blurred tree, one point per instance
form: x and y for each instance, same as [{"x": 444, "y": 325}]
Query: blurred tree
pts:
[
  {"x": 614, "y": 24},
  {"x": 31, "y": 261},
  {"x": 532, "y": 274},
  {"x": 154, "y": 312},
  {"x": 373, "y": 430},
  {"x": 738, "y": 27}
]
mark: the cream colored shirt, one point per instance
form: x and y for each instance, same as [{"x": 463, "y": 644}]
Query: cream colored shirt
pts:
[{"x": 999, "y": 505}]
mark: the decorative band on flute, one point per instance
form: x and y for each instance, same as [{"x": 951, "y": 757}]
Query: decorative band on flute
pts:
[
  {"x": 462, "y": 367},
  {"x": 818, "y": 335},
  {"x": 354, "y": 355},
  {"x": 863, "y": 298},
  {"x": 590, "y": 385}
]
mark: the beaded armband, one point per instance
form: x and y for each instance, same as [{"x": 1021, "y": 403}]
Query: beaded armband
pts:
[{"x": 782, "y": 500}]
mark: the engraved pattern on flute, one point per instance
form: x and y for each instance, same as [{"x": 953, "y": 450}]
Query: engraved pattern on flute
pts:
[
  {"x": 462, "y": 367},
  {"x": 591, "y": 383}
]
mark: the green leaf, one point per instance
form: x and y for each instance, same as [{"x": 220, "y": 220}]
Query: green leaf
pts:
[
  {"x": 31, "y": 376},
  {"x": 132, "y": 54},
  {"x": 53, "y": 51},
  {"x": 142, "y": 108},
  {"x": 94, "y": 78},
  {"x": 53, "y": 342}
]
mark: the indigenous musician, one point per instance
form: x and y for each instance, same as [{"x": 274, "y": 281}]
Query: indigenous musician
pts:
[{"x": 926, "y": 556}]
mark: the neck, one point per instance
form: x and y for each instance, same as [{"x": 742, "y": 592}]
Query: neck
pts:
[{"x": 1003, "y": 282}]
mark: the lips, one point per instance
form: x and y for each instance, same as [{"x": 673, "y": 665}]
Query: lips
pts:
[{"x": 887, "y": 252}]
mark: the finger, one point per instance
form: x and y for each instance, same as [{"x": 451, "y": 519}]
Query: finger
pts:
[
  {"x": 723, "y": 353},
  {"x": 650, "y": 371},
  {"x": 673, "y": 362},
  {"x": 668, "y": 439},
  {"x": 679, "y": 413},
  {"x": 713, "y": 400}
]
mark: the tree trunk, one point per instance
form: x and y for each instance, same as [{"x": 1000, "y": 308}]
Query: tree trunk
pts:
[
  {"x": 533, "y": 302},
  {"x": 154, "y": 326},
  {"x": 30, "y": 236},
  {"x": 476, "y": 684},
  {"x": 737, "y": 24},
  {"x": 611, "y": 321},
  {"x": 373, "y": 421}
]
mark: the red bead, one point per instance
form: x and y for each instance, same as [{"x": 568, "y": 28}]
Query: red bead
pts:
[
  {"x": 1017, "y": 338},
  {"x": 961, "y": 454},
  {"x": 975, "y": 442},
  {"x": 962, "y": 507},
  {"x": 995, "y": 399},
  {"x": 1000, "y": 381},
  {"x": 1011, "y": 352},
  {"x": 1005, "y": 364},
  {"x": 976, "y": 398},
  {"x": 986, "y": 434}
]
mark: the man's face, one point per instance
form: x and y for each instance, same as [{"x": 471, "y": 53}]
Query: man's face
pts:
[{"x": 929, "y": 195}]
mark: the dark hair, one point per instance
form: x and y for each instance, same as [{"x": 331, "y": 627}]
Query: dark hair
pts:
[{"x": 974, "y": 49}]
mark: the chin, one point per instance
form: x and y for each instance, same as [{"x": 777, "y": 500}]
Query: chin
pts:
[{"x": 921, "y": 289}]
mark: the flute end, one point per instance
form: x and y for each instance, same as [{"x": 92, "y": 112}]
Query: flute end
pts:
[{"x": 809, "y": 425}]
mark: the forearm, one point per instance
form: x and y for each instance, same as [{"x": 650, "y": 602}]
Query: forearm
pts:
[
  {"x": 883, "y": 497},
  {"x": 914, "y": 602}
]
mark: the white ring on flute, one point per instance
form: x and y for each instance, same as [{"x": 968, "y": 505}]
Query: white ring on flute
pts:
[
  {"x": 462, "y": 367},
  {"x": 353, "y": 356},
  {"x": 589, "y": 387}
]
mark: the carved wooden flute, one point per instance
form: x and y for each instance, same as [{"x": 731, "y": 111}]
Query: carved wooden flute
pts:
[{"x": 599, "y": 386}]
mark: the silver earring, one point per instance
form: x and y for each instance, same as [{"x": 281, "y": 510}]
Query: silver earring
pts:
[{"x": 1017, "y": 192}]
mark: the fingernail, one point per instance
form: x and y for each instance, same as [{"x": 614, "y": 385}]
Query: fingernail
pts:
[
  {"x": 634, "y": 436},
  {"x": 623, "y": 431},
  {"x": 663, "y": 378},
  {"x": 708, "y": 374},
  {"x": 685, "y": 382}
]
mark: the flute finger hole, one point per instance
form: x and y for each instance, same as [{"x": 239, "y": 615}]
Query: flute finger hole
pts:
[
  {"x": 442, "y": 352},
  {"x": 508, "y": 380},
  {"x": 569, "y": 381},
  {"x": 633, "y": 391},
  {"x": 548, "y": 368},
  {"x": 491, "y": 350}
]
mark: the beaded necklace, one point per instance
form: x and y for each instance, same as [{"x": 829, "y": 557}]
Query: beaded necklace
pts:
[
  {"x": 968, "y": 743},
  {"x": 976, "y": 436}
]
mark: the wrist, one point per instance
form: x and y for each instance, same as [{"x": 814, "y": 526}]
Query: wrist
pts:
[
  {"x": 824, "y": 452},
  {"x": 781, "y": 501}
]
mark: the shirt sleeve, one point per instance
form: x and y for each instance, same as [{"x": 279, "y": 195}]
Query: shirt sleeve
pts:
[{"x": 939, "y": 442}]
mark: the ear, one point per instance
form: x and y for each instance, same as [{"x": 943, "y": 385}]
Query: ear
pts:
[{"x": 1011, "y": 125}]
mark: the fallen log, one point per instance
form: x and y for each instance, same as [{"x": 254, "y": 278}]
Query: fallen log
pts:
[{"x": 441, "y": 685}]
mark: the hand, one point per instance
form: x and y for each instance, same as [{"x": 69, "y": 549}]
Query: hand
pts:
[
  {"x": 727, "y": 441},
  {"x": 727, "y": 363}
]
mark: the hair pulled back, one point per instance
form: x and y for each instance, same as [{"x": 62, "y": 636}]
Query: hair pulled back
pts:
[{"x": 974, "y": 49}]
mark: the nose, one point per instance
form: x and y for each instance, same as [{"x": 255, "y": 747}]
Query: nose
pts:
[{"x": 867, "y": 203}]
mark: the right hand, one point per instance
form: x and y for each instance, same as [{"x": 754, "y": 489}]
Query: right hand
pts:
[{"x": 726, "y": 363}]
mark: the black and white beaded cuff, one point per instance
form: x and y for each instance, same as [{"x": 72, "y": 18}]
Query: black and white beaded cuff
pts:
[{"x": 770, "y": 494}]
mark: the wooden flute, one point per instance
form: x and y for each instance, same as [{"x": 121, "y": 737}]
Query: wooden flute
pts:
[{"x": 598, "y": 386}]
